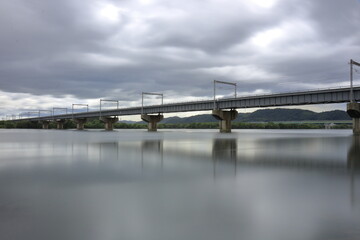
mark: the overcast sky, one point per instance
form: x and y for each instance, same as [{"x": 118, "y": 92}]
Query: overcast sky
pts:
[{"x": 55, "y": 53}]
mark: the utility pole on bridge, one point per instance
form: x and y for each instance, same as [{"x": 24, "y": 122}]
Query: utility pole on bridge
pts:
[
  {"x": 77, "y": 104},
  {"x": 152, "y": 120},
  {"x": 108, "y": 100},
  {"x": 109, "y": 121},
  {"x": 150, "y": 93},
  {"x": 57, "y": 108},
  {"x": 352, "y": 62},
  {"x": 353, "y": 108},
  {"x": 224, "y": 117},
  {"x": 48, "y": 111},
  {"x": 223, "y": 82}
]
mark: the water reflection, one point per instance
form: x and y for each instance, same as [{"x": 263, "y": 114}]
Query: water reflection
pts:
[
  {"x": 353, "y": 163},
  {"x": 128, "y": 185},
  {"x": 224, "y": 151},
  {"x": 152, "y": 149},
  {"x": 108, "y": 151},
  {"x": 300, "y": 152},
  {"x": 353, "y": 158}
]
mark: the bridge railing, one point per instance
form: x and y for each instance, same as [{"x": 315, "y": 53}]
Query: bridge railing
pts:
[
  {"x": 210, "y": 99},
  {"x": 251, "y": 96}
]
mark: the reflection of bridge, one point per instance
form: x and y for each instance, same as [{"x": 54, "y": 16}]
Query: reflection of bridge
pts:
[
  {"x": 223, "y": 109},
  {"x": 225, "y": 153},
  {"x": 227, "y": 156},
  {"x": 229, "y": 151},
  {"x": 219, "y": 157}
]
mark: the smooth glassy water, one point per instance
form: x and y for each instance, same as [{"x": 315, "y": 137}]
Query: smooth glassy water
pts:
[{"x": 183, "y": 184}]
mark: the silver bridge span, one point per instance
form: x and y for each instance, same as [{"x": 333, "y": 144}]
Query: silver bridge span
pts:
[{"x": 326, "y": 96}]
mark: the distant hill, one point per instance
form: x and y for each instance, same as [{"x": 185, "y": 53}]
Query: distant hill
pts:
[
  {"x": 202, "y": 118},
  {"x": 268, "y": 115},
  {"x": 128, "y": 122}
]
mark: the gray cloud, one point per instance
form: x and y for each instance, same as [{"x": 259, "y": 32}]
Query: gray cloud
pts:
[{"x": 93, "y": 49}]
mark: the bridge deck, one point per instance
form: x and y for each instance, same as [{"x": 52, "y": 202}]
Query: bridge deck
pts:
[{"x": 338, "y": 95}]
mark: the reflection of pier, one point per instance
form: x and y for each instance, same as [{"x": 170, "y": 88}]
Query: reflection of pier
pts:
[
  {"x": 353, "y": 159},
  {"x": 109, "y": 151},
  {"x": 151, "y": 147},
  {"x": 353, "y": 162},
  {"x": 217, "y": 157},
  {"x": 224, "y": 150}
]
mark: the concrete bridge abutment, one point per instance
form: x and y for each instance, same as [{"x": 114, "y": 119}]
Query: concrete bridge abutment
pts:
[
  {"x": 80, "y": 123},
  {"x": 109, "y": 122},
  {"x": 225, "y": 118},
  {"x": 60, "y": 123},
  {"x": 45, "y": 124},
  {"x": 152, "y": 121},
  {"x": 353, "y": 109}
]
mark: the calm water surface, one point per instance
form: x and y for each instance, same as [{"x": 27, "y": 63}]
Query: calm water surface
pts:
[{"x": 198, "y": 184}]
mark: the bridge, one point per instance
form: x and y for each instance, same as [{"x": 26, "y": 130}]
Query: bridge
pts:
[{"x": 222, "y": 109}]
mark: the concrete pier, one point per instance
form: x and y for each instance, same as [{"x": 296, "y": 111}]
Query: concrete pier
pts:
[
  {"x": 353, "y": 109},
  {"x": 152, "y": 121},
  {"x": 80, "y": 122},
  {"x": 225, "y": 118},
  {"x": 60, "y": 123},
  {"x": 45, "y": 124},
  {"x": 109, "y": 122}
]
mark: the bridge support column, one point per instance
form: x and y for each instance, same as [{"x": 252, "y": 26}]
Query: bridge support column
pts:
[
  {"x": 225, "y": 118},
  {"x": 45, "y": 124},
  {"x": 80, "y": 122},
  {"x": 152, "y": 121},
  {"x": 60, "y": 123},
  {"x": 353, "y": 109},
  {"x": 109, "y": 122}
]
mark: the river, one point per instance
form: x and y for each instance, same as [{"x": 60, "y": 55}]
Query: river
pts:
[{"x": 179, "y": 185}]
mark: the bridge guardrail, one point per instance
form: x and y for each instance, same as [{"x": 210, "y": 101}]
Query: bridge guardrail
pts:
[{"x": 135, "y": 108}]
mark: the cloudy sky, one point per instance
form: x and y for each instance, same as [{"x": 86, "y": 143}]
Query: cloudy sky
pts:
[{"x": 55, "y": 53}]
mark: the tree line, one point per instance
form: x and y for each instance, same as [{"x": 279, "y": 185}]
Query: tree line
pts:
[{"x": 97, "y": 124}]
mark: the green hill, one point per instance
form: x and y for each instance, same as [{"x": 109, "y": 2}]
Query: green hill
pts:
[{"x": 268, "y": 115}]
